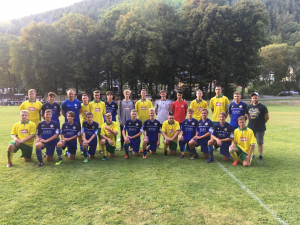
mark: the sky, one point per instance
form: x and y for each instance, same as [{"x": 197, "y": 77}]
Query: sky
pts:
[{"x": 14, "y": 9}]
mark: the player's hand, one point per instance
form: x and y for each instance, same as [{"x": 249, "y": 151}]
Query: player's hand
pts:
[
  {"x": 145, "y": 137},
  {"x": 63, "y": 140},
  {"x": 110, "y": 142},
  {"x": 219, "y": 142},
  {"x": 121, "y": 123},
  {"x": 180, "y": 138},
  {"x": 106, "y": 127},
  {"x": 85, "y": 141},
  {"x": 18, "y": 141},
  {"x": 232, "y": 146},
  {"x": 158, "y": 143},
  {"x": 248, "y": 158}
]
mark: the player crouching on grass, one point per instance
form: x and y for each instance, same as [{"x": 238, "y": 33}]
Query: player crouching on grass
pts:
[
  {"x": 89, "y": 133},
  {"x": 109, "y": 132},
  {"x": 22, "y": 134},
  {"x": 222, "y": 136},
  {"x": 151, "y": 131},
  {"x": 243, "y": 143},
  {"x": 69, "y": 132},
  {"x": 188, "y": 131},
  {"x": 134, "y": 131},
  {"x": 46, "y": 137},
  {"x": 170, "y": 130},
  {"x": 204, "y": 130}
]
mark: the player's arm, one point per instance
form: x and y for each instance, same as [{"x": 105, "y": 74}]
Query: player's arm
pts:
[
  {"x": 158, "y": 138},
  {"x": 229, "y": 115},
  {"x": 219, "y": 142},
  {"x": 112, "y": 131},
  {"x": 37, "y": 138},
  {"x": 124, "y": 133},
  {"x": 205, "y": 135},
  {"x": 55, "y": 136},
  {"x": 252, "y": 146},
  {"x": 226, "y": 139},
  {"x": 156, "y": 107},
  {"x": 180, "y": 135},
  {"x": 71, "y": 138},
  {"x": 175, "y": 135},
  {"x": 137, "y": 135},
  {"x": 106, "y": 138},
  {"x": 267, "y": 117},
  {"x": 19, "y": 141},
  {"x": 63, "y": 112},
  {"x": 165, "y": 136},
  {"x": 83, "y": 135},
  {"x": 80, "y": 111}
]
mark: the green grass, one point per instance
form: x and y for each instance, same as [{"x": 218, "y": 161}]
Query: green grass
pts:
[{"x": 156, "y": 190}]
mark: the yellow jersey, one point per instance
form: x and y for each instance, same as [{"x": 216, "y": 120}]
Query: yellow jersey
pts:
[
  {"x": 197, "y": 106},
  {"x": 219, "y": 104},
  {"x": 23, "y": 130},
  {"x": 34, "y": 109},
  {"x": 244, "y": 138},
  {"x": 98, "y": 109},
  {"x": 142, "y": 107},
  {"x": 113, "y": 126},
  {"x": 170, "y": 129},
  {"x": 85, "y": 110}
]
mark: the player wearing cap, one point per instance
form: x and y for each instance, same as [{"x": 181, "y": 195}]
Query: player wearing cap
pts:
[
  {"x": 258, "y": 116},
  {"x": 236, "y": 109}
]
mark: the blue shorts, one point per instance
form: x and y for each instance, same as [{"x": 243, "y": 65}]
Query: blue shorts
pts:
[
  {"x": 203, "y": 144},
  {"x": 182, "y": 143},
  {"x": 71, "y": 147},
  {"x": 135, "y": 145},
  {"x": 152, "y": 145},
  {"x": 224, "y": 149},
  {"x": 50, "y": 147},
  {"x": 92, "y": 149}
]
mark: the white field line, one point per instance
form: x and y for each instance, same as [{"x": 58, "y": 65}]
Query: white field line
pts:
[{"x": 252, "y": 194}]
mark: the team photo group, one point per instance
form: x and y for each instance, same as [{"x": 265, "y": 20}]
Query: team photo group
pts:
[{"x": 94, "y": 123}]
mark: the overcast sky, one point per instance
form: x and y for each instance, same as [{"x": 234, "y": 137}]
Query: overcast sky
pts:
[{"x": 14, "y": 9}]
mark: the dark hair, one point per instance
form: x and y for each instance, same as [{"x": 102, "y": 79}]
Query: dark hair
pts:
[
  {"x": 109, "y": 93},
  {"x": 179, "y": 92}
]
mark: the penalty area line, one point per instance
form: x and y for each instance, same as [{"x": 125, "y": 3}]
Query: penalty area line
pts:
[{"x": 252, "y": 194}]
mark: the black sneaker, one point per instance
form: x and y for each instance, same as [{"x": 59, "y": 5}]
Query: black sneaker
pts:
[
  {"x": 253, "y": 156},
  {"x": 260, "y": 158},
  {"x": 39, "y": 164},
  {"x": 181, "y": 157},
  {"x": 45, "y": 154},
  {"x": 165, "y": 153},
  {"x": 194, "y": 157}
]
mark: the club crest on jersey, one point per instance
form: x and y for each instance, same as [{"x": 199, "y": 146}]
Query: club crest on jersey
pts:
[
  {"x": 206, "y": 124},
  {"x": 155, "y": 124},
  {"x": 25, "y": 131},
  {"x": 193, "y": 123},
  {"x": 51, "y": 125},
  {"x": 74, "y": 127},
  {"x": 240, "y": 106},
  {"x": 113, "y": 106},
  {"x": 185, "y": 123},
  {"x": 55, "y": 107},
  {"x": 182, "y": 106},
  {"x": 243, "y": 139},
  {"x": 93, "y": 127},
  {"x": 31, "y": 109},
  {"x": 137, "y": 124},
  {"x": 225, "y": 129}
]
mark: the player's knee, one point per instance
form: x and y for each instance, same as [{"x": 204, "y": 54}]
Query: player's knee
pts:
[
  {"x": 84, "y": 146},
  {"x": 211, "y": 142},
  {"x": 10, "y": 148},
  {"x": 232, "y": 150},
  {"x": 246, "y": 163},
  {"x": 26, "y": 159},
  {"x": 38, "y": 145},
  {"x": 103, "y": 142}
]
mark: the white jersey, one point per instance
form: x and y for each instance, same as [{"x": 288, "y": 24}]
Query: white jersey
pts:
[{"x": 162, "y": 109}]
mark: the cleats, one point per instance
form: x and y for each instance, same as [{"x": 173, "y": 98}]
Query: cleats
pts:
[
  {"x": 104, "y": 158},
  {"x": 9, "y": 165},
  {"x": 45, "y": 155},
  {"x": 260, "y": 158},
  {"x": 58, "y": 162},
  {"x": 39, "y": 164},
  {"x": 210, "y": 159},
  {"x": 81, "y": 153},
  {"x": 66, "y": 153},
  {"x": 235, "y": 163},
  {"x": 144, "y": 156},
  {"x": 194, "y": 157},
  {"x": 126, "y": 157},
  {"x": 100, "y": 152},
  {"x": 253, "y": 156},
  {"x": 182, "y": 156},
  {"x": 86, "y": 159}
]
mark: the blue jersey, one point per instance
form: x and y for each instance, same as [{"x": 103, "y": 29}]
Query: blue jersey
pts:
[
  {"x": 236, "y": 110},
  {"x": 47, "y": 130},
  {"x": 223, "y": 132},
  {"x": 133, "y": 128},
  {"x": 71, "y": 130},
  {"x": 71, "y": 106},
  {"x": 152, "y": 129},
  {"x": 189, "y": 128},
  {"x": 89, "y": 130},
  {"x": 204, "y": 127},
  {"x": 55, "y": 108},
  {"x": 112, "y": 108}
]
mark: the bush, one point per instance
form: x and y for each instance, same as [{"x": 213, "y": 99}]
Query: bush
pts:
[{"x": 265, "y": 90}]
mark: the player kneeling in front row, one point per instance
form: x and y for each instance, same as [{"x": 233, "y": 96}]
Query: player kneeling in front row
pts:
[
  {"x": 134, "y": 131},
  {"x": 22, "y": 134},
  {"x": 243, "y": 144},
  {"x": 188, "y": 131},
  {"x": 109, "y": 132},
  {"x": 204, "y": 130},
  {"x": 151, "y": 133},
  {"x": 89, "y": 133},
  {"x": 170, "y": 130},
  {"x": 46, "y": 137},
  {"x": 222, "y": 136},
  {"x": 69, "y": 133}
]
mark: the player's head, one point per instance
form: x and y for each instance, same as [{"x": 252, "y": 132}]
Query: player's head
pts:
[
  {"x": 199, "y": 94},
  {"x": 31, "y": 94},
  {"x": 151, "y": 112},
  {"x": 242, "y": 122},
  {"x": 237, "y": 96},
  {"x": 24, "y": 114},
  {"x": 143, "y": 93},
  {"x": 51, "y": 96},
  {"x": 89, "y": 117},
  {"x": 204, "y": 113},
  {"x": 255, "y": 98},
  {"x": 190, "y": 113},
  {"x": 109, "y": 95},
  {"x": 71, "y": 94},
  {"x": 171, "y": 118},
  {"x": 133, "y": 114},
  {"x": 222, "y": 116},
  {"x": 70, "y": 116},
  {"x": 218, "y": 90},
  {"x": 108, "y": 117},
  {"x": 127, "y": 93},
  {"x": 163, "y": 93},
  {"x": 97, "y": 95},
  {"x": 179, "y": 94},
  {"x": 85, "y": 98}
]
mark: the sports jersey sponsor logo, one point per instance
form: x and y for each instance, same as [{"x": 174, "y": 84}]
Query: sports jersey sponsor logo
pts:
[
  {"x": 143, "y": 108},
  {"x": 218, "y": 104},
  {"x": 85, "y": 112},
  {"x": 24, "y": 131},
  {"x": 199, "y": 108},
  {"x": 55, "y": 107},
  {"x": 171, "y": 131},
  {"x": 31, "y": 109},
  {"x": 97, "y": 110},
  {"x": 108, "y": 132},
  {"x": 127, "y": 108},
  {"x": 243, "y": 139}
]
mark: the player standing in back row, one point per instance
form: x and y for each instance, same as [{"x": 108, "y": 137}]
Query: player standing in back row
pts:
[
  {"x": 198, "y": 104},
  {"x": 111, "y": 106},
  {"x": 179, "y": 108},
  {"x": 219, "y": 103},
  {"x": 236, "y": 109},
  {"x": 162, "y": 107},
  {"x": 142, "y": 107}
]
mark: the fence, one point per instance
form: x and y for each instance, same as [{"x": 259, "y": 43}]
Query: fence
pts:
[{"x": 281, "y": 103}]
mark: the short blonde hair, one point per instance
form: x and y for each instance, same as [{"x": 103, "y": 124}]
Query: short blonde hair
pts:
[
  {"x": 204, "y": 109},
  {"x": 126, "y": 90},
  {"x": 133, "y": 110},
  {"x": 70, "y": 89},
  {"x": 24, "y": 111},
  {"x": 97, "y": 91},
  {"x": 31, "y": 90},
  {"x": 236, "y": 93},
  {"x": 151, "y": 109},
  {"x": 48, "y": 111},
  {"x": 190, "y": 110},
  {"x": 108, "y": 114}
]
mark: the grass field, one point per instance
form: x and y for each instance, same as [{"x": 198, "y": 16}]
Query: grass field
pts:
[{"x": 156, "y": 190}]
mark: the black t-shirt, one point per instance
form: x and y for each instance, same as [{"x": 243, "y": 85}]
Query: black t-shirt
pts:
[{"x": 257, "y": 117}]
